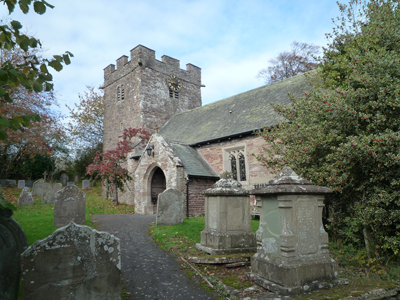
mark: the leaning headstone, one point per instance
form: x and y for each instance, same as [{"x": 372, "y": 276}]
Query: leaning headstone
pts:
[
  {"x": 21, "y": 184},
  {"x": 170, "y": 207},
  {"x": 69, "y": 205},
  {"x": 64, "y": 178},
  {"x": 76, "y": 178},
  {"x": 29, "y": 183},
  {"x": 85, "y": 184},
  {"x": 12, "y": 243},
  {"x": 37, "y": 189},
  {"x": 74, "y": 262},
  {"x": 70, "y": 183},
  {"x": 49, "y": 192},
  {"x": 25, "y": 198}
]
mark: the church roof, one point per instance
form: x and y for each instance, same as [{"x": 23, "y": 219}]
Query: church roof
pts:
[
  {"x": 238, "y": 114},
  {"x": 193, "y": 163}
]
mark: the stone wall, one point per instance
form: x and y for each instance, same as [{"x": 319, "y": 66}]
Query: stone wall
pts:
[{"x": 146, "y": 102}]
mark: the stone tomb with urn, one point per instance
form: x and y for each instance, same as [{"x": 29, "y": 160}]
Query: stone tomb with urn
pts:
[{"x": 292, "y": 245}]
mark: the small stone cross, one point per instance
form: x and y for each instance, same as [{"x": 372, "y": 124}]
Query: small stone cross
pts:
[{"x": 45, "y": 174}]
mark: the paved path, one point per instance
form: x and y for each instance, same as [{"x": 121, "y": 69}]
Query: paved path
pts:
[{"x": 148, "y": 272}]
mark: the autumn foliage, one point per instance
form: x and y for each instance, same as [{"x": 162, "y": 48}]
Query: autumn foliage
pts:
[
  {"x": 110, "y": 165},
  {"x": 344, "y": 132}
]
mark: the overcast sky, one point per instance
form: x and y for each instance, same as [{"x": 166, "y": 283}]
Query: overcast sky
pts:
[{"x": 229, "y": 40}]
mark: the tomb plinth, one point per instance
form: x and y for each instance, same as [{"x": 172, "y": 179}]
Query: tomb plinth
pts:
[
  {"x": 227, "y": 220},
  {"x": 292, "y": 245}
]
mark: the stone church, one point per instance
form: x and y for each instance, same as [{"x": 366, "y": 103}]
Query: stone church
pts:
[{"x": 191, "y": 144}]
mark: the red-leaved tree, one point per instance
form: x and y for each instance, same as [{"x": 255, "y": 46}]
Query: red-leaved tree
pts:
[{"x": 110, "y": 165}]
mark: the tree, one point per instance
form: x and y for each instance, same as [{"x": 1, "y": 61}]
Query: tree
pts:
[
  {"x": 45, "y": 138},
  {"x": 301, "y": 58},
  {"x": 86, "y": 119},
  {"x": 31, "y": 73},
  {"x": 344, "y": 133},
  {"x": 110, "y": 164}
]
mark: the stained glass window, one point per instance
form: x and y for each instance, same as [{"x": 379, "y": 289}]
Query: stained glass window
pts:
[
  {"x": 232, "y": 158},
  {"x": 242, "y": 167}
]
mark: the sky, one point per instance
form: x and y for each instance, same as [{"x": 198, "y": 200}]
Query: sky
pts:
[{"x": 229, "y": 40}]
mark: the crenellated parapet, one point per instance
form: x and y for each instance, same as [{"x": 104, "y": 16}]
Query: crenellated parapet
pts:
[{"x": 143, "y": 57}]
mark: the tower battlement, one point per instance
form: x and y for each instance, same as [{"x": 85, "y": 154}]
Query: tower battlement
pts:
[{"x": 143, "y": 57}]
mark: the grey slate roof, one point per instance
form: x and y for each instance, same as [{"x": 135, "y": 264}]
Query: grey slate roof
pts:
[
  {"x": 194, "y": 164},
  {"x": 249, "y": 111}
]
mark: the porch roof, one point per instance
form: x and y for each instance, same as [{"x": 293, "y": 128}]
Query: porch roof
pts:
[{"x": 193, "y": 163}]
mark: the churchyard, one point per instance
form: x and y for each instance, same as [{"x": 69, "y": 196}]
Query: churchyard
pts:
[{"x": 227, "y": 274}]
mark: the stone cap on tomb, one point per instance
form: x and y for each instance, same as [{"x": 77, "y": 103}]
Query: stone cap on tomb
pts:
[
  {"x": 288, "y": 182},
  {"x": 226, "y": 187}
]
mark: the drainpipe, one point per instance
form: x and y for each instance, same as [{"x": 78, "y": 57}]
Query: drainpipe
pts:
[{"x": 187, "y": 196}]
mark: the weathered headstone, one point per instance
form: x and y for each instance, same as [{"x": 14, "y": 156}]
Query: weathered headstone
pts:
[
  {"x": 292, "y": 254},
  {"x": 227, "y": 220},
  {"x": 171, "y": 207},
  {"x": 85, "y": 184},
  {"x": 70, "y": 183},
  {"x": 76, "y": 178},
  {"x": 25, "y": 198},
  {"x": 49, "y": 192},
  {"x": 12, "y": 243},
  {"x": 37, "y": 189},
  {"x": 75, "y": 262},
  {"x": 29, "y": 183},
  {"x": 3, "y": 183},
  {"x": 64, "y": 178},
  {"x": 69, "y": 205},
  {"x": 11, "y": 182},
  {"x": 21, "y": 184}
]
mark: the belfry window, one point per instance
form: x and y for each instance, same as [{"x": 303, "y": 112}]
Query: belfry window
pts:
[
  {"x": 118, "y": 93},
  {"x": 171, "y": 93},
  {"x": 122, "y": 92}
]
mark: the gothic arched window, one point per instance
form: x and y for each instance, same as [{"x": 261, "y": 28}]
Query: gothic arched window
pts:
[
  {"x": 242, "y": 167},
  {"x": 122, "y": 92},
  {"x": 232, "y": 158}
]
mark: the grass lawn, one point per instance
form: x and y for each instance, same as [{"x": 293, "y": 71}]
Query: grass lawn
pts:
[{"x": 37, "y": 220}]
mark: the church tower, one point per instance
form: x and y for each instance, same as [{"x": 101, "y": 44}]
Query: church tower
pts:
[{"x": 145, "y": 92}]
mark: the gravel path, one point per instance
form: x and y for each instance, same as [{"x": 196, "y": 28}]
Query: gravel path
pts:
[{"x": 148, "y": 272}]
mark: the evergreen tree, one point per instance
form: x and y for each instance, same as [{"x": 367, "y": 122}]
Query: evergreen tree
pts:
[{"x": 344, "y": 132}]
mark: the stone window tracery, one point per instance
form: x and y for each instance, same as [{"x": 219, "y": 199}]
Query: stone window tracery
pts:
[
  {"x": 235, "y": 162},
  {"x": 120, "y": 93}
]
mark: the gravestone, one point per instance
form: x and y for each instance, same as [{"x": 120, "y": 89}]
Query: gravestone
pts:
[
  {"x": 171, "y": 207},
  {"x": 29, "y": 183},
  {"x": 11, "y": 182},
  {"x": 25, "y": 198},
  {"x": 3, "y": 183},
  {"x": 74, "y": 262},
  {"x": 70, "y": 183},
  {"x": 21, "y": 184},
  {"x": 12, "y": 243},
  {"x": 85, "y": 184},
  {"x": 227, "y": 220},
  {"x": 64, "y": 178},
  {"x": 37, "y": 189},
  {"x": 76, "y": 178},
  {"x": 69, "y": 205},
  {"x": 292, "y": 245},
  {"x": 49, "y": 192}
]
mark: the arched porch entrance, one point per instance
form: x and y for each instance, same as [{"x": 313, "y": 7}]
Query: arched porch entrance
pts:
[{"x": 157, "y": 186}]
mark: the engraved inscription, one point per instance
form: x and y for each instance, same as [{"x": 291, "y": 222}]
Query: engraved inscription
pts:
[{"x": 307, "y": 230}]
